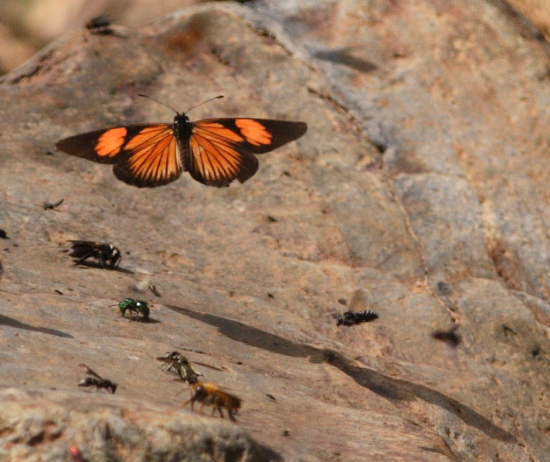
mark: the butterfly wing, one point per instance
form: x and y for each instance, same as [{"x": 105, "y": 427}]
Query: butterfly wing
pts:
[
  {"x": 144, "y": 155},
  {"x": 222, "y": 150}
]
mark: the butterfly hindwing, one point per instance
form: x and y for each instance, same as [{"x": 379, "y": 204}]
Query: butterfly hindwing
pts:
[
  {"x": 221, "y": 150},
  {"x": 152, "y": 159},
  {"x": 215, "y": 158}
]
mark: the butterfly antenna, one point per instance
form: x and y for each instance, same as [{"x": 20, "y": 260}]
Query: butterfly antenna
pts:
[
  {"x": 204, "y": 102},
  {"x": 158, "y": 102}
]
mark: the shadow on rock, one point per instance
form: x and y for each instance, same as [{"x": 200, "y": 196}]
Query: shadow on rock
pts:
[
  {"x": 387, "y": 387},
  {"x": 344, "y": 57},
  {"x": 391, "y": 388},
  {"x": 143, "y": 320},
  {"x": 93, "y": 264},
  {"x": 10, "y": 322},
  {"x": 258, "y": 338}
]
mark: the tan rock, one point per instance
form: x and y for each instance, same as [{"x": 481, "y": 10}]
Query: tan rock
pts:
[{"x": 422, "y": 182}]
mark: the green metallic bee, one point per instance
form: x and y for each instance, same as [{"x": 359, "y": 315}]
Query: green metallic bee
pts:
[
  {"x": 180, "y": 364},
  {"x": 137, "y": 308}
]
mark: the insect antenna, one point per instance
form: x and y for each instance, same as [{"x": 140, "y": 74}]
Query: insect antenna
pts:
[
  {"x": 204, "y": 102},
  {"x": 158, "y": 102},
  {"x": 170, "y": 107}
]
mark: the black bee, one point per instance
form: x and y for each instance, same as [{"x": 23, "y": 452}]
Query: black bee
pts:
[
  {"x": 354, "y": 315},
  {"x": 106, "y": 255},
  {"x": 181, "y": 365},
  {"x": 138, "y": 307},
  {"x": 350, "y": 318},
  {"x": 449, "y": 336},
  {"x": 93, "y": 379}
]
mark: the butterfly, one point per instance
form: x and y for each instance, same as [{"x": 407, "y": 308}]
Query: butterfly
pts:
[{"x": 214, "y": 151}]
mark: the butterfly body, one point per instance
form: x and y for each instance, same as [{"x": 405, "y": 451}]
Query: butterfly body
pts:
[
  {"x": 182, "y": 127},
  {"x": 214, "y": 151}
]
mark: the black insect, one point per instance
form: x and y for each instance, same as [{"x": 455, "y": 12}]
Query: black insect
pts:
[
  {"x": 3, "y": 234},
  {"x": 52, "y": 205},
  {"x": 181, "y": 365},
  {"x": 449, "y": 336},
  {"x": 350, "y": 318},
  {"x": 104, "y": 255},
  {"x": 137, "y": 308},
  {"x": 100, "y": 25},
  {"x": 93, "y": 379}
]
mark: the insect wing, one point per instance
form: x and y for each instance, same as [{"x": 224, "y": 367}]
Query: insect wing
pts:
[
  {"x": 264, "y": 135},
  {"x": 222, "y": 150},
  {"x": 104, "y": 146},
  {"x": 144, "y": 155},
  {"x": 90, "y": 371},
  {"x": 81, "y": 249}
]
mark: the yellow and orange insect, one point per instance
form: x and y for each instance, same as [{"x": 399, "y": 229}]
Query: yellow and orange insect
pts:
[
  {"x": 214, "y": 151},
  {"x": 209, "y": 394}
]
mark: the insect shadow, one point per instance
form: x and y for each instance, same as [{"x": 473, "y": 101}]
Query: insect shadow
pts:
[
  {"x": 149, "y": 320},
  {"x": 344, "y": 57},
  {"x": 7, "y": 321},
  {"x": 91, "y": 264}
]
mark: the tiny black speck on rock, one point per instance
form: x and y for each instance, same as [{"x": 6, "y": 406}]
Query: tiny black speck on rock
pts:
[
  {"x": 449, "y": 336},
  {"x": 444, "y": 288}
]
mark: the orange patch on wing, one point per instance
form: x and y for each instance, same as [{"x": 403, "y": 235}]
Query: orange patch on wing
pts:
[
  {"x": 110, "y": 143},
  {"x": 254, "y": 132},
  {"x": 218, "y": 129}
]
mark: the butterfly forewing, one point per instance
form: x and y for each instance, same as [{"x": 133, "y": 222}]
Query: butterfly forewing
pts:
[
  {"x": 256, "y": 135},
  {"x": 105, "y": 146}
]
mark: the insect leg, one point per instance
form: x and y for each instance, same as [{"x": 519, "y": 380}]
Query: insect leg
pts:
[{"x": 189, "y": 401}]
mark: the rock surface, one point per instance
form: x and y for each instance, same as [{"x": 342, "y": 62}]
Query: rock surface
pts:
[{"x": 420, "y": 192}]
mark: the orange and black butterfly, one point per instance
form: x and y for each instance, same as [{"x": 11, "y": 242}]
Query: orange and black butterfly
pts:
[{"x": 213, "y": 151}]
